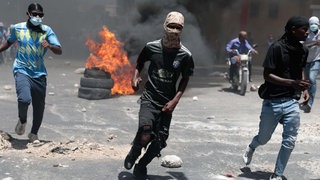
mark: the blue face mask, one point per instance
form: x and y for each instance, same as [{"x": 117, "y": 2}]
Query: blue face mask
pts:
[
  {"x": 314, "y": 27},
  {"x": 35, "y": 20}
]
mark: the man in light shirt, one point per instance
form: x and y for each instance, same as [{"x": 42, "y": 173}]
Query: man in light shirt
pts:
[{"x": 313, "y": 61}]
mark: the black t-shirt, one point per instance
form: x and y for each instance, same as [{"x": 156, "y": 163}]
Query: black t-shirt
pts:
[
  {"x": 285, "y": 58},
  {"x": 166, "y": 66}
]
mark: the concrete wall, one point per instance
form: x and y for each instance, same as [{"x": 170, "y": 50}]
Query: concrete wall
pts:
[{"x": 221, "y": 21}]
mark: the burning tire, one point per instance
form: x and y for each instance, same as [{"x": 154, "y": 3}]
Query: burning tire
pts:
[
  {"x": 96, "y": 83},
  {"x": 94, "y": 93},
  {"x": 96, "y": 73}
]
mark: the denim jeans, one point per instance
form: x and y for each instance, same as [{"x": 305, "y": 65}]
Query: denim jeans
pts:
[
  {"x": 31, "y": 90},
  {"x": 285, "y": 111},
  {"x": 312, "y": 70}
]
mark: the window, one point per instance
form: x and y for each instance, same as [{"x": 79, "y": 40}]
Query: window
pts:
[
  {"x": 254, "y": 8},
  {"x": 273, "y": 9}
]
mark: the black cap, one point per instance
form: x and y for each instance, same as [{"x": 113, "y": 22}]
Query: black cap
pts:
[{"x": 296, "y": 21}]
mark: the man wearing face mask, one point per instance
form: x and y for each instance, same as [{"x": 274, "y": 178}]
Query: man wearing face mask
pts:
[
  {"x": 169, "y": 60},
  {"x": 34, "y": 39},
  {"x": 313, "y": 61},
  {"x": 2, "y": 39}
]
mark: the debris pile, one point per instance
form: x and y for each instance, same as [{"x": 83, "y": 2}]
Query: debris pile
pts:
[{"x": 4, "y": 140}]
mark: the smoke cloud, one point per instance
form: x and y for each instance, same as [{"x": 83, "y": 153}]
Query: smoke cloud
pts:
[
  {"x": 135, "y": 22},
  {"x": 145, "y": 23}
]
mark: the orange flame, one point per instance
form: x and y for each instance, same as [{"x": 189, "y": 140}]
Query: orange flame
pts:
[{"x": 109, "y": 57}]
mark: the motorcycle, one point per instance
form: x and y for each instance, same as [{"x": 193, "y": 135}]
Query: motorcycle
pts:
[{"x": 240, "y": 78}]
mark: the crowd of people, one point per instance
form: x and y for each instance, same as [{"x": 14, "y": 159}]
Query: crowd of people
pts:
[
  {"x": 290, "y": 71},
  {"x": 285, "y": 83}
]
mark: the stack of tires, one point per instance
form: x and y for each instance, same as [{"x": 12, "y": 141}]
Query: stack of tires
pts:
[{"x": 96, "y": 84}]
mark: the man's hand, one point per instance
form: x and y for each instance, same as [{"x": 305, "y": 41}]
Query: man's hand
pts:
[
  {"x": 45, "y": 44},
  {"x": 135, "y": 83},
  {"x": 317, "y": 43},
  {"x": 301, "y": 84},
  {"x": 169, "y": 107},
  {"x": 306, "y": 97}
]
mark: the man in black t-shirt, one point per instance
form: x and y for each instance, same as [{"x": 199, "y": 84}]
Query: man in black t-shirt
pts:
[
  {"x": 284, "y": 84},
  {"x": 169, "y": 60}
]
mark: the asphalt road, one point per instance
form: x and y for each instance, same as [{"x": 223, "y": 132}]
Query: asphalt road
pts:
[{"x": 211, "y": 127}]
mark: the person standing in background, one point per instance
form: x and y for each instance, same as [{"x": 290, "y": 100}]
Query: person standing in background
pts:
[
  {"x": 12, "y": 50},
  {"x": 34, "y": 39},
  {"x": 270, "y": 40},
  {"x": 3, "y": 38},
  {"x": 313, "y": 61}
]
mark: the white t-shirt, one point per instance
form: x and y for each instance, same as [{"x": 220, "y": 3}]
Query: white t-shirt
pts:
[{"x": 314, "y": 51}]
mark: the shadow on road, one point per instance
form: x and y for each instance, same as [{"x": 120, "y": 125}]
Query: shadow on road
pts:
[
  {"x": 21, "y": 144},
  {"x": 124, "y": 175},
  {"x": 247, "y": 173},
  {"x": 229, "y": 90}
]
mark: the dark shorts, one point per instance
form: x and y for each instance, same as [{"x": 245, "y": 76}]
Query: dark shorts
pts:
[
  {"x": 30, "y": 89},
  {"x": 152, "y": 115}
]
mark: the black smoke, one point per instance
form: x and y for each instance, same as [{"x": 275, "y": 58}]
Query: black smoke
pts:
[{"x": 135, "y": 22}]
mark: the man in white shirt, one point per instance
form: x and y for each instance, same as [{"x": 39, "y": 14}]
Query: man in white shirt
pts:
[{"x": 313, "y": 61}]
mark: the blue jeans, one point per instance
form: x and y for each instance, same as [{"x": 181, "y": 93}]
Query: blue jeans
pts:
[
  {"x": 31, "y": 90},
  {"x": 285, "y": 111},
  {"x": 312, "y": 70}
]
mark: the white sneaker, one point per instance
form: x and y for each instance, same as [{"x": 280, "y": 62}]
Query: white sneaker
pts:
[
  {"x": 33, "y": 138},
  {"x": 275, "y": 177},
  {"x": 247, "y": 156},
  {"x": 20, "y": 128}
]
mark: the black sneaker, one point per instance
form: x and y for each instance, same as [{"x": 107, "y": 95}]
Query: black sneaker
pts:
[
  {"x": 305, "y": 107},
  {"x": 275, "y": 177},
  {"x": 140, "y": 172},
  {"x": 132, "y": 157}
]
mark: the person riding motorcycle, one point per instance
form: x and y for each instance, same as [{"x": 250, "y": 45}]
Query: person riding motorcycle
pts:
[{"x": 243, "y": 46}]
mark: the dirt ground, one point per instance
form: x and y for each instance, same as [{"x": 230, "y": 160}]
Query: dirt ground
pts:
[{"x": 83, "y": 139}]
